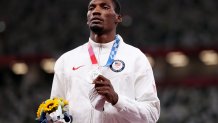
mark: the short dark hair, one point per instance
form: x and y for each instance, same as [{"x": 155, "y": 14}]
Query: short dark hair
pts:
[{"x": 117, "y": 6}]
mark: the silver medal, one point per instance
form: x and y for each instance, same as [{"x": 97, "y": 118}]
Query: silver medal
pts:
[{"x": 94, "y": 74}]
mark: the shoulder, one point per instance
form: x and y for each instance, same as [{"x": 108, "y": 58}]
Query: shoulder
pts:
[
  {"x": 127, "y": 47},
  {"x": 137, "y": 59},
  {"x": 131, "y": 50},
  {"x": 74, "y": 52},
  {"x": 71, "y": 56},
  {"x": 134, "y": 54}
]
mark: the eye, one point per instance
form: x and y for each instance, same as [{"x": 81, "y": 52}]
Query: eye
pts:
[
  {"x": 90, "y": 7},
  {"x": 106, "y": 7}
]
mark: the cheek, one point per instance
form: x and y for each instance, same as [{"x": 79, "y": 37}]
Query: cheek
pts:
[
  {"x": 111, "y": 18},
  {"x": 88, "y": 17}
]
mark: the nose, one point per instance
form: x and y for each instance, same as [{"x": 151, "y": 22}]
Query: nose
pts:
[{"x": 96, "y": 11}]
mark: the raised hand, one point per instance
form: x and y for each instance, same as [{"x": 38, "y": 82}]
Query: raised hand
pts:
[{"x": 104, "y": 87}]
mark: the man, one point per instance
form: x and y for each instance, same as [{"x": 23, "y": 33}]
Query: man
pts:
[{"x": 106, "y": 80}]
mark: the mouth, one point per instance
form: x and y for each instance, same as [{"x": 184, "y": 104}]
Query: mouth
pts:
[{"x": 96, "y": 20}]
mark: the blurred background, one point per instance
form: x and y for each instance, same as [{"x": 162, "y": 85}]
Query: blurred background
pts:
[{"x": 180, "y": 38}]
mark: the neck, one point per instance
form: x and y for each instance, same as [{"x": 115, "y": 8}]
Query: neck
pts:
[{"x": 102, "y": 38}]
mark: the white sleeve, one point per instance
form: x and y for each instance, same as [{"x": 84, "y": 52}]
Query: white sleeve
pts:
[
  {"x": 145, "y": 108},
  {"x": 58, "y": 85}
]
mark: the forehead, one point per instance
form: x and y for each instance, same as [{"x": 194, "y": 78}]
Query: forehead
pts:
[{"x": 96, "y": 2}]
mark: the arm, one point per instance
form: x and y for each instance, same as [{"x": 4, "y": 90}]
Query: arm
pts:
[
  {"x": 146, "y": 106},
  {"x": 58, "y": 85}
]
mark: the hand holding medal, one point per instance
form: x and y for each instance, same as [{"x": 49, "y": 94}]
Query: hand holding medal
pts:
[
  {"x": 97, "y": 101},
  {"x": 104, "y": 87}
]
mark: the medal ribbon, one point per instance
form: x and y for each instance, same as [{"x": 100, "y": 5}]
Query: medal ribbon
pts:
[{"x": 111, "y": 56}]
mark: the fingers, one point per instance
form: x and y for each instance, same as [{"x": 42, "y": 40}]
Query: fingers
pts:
[
  {"x": 104, "y": 89},
  {"x": 101, "y": 78},
  {"x": 101, "y": 81},
  {"x": 102, "y": 85},
  {"x": 109, "y": 94}
]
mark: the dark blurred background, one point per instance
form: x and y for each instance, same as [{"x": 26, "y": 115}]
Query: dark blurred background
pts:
[{"x": 180, "y": 38}]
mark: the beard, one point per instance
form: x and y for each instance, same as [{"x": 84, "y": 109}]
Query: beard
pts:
[{"x": 96, "y": 29}]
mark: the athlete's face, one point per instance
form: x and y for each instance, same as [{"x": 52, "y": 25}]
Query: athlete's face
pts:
[{"x": 101, "y": 16}]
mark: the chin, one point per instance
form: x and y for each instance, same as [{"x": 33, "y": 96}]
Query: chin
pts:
[{"x": 96, "y": 29}]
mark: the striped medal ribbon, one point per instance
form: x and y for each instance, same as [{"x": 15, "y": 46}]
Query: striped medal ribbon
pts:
[{"x": 111, "y": 56}]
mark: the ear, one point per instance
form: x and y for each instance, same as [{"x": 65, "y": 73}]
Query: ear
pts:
[
  {"x": 87, "y": 20},
  {"x": 119, "y": 19}
]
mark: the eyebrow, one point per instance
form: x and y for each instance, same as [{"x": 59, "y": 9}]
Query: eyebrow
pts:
[{"x": 101, "y": 4}]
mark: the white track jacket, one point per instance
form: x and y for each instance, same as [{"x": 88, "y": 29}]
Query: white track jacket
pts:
[{"x": 133, "y": 82}]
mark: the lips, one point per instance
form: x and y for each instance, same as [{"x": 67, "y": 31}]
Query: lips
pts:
[{"x": 96, "y": 20}]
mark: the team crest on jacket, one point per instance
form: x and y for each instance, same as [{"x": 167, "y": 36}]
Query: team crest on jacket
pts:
[{"x": 117, "y": 66}]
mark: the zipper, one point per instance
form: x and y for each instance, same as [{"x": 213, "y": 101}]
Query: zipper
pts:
[{"x": 99, "y": 55}]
